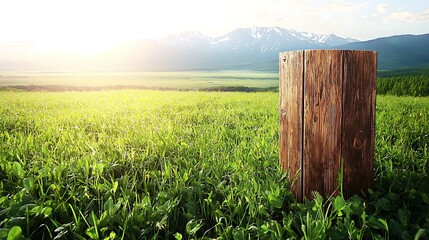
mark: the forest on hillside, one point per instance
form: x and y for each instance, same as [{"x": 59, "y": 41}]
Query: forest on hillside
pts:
[{"x": 406, "y": 85}]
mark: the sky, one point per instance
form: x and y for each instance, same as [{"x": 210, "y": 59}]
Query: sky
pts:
[{"x": 86, "y": 25}]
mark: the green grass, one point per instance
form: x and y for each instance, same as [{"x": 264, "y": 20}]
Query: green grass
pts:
[
  {"x": 149, "y": 164},
  {"x": 151, "y": 80}
]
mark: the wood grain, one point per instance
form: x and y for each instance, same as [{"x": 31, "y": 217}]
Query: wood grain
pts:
[
  {"x": 322, "y": 120},
  {"x": 360, "y": 72},
  {"x": 327, "y": 116},
  {"x": 291, "y": 84}
]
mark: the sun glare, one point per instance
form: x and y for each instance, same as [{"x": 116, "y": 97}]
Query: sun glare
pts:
[
  {"x": 76, "y": 45},
  {"x": 91, "y": 26}
]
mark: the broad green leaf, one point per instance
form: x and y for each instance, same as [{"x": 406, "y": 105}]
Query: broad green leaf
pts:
[
  {"x": 28, "y": 183},
  {"x": 15, "y": 233},
  {"x": 193, "y": 226},
  {"x": 178, "y": 236},
  {"x": 275, "y": 201},
  {"x": 47, "y": 211},
  {"x": 112, "y": 235},
  {"x": 108, "y": 206},
  {"x": 383, "y": 223},
  {"x": 17, "y": 170},
  {"x": 402, "y": 215},
  {"x": 36, "y": 210},
  {"x": 91, "y": 233},
  {"x": 339, "y": 203},
  {"x": 378, "y": 223}
]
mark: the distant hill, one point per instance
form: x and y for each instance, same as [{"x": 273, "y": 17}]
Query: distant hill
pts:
[
  {"x": 404, "y": 51},
  {"x": 254, "y": 48}
]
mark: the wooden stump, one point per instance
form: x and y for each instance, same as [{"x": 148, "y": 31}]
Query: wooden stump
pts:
[{"x": 327, "y": 107}]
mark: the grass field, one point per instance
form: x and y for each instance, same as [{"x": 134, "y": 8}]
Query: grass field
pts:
[
  {"x": 136, "y": 164},
  {"x": 410, "y": 82},
  {"x": 150, "y": 80}
]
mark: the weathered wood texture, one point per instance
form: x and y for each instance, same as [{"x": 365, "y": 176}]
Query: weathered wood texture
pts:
[
  {"x": 291, "y": 120},
  {"x": 322, "y": 116},
  {"x": 358, "y": 136},
  {"x": 327, "y": 105}
]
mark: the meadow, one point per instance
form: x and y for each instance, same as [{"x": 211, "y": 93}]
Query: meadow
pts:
[
  {"x": 408, "y": 82},
  {"x": 140, "y": 164},
  {"x": 186, "y": 80}
]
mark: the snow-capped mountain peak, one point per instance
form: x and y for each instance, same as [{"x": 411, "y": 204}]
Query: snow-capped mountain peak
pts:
[
  {"x": 256, "y": 34},
  {"x": 262, "y": 39},
  {"x": 266, "y": 39}
]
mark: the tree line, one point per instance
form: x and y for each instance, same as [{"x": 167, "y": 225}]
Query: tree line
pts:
[{"x": 406, "y": 85}]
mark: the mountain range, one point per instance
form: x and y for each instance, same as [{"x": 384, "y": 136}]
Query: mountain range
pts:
[{"x": 255, "y": 48}]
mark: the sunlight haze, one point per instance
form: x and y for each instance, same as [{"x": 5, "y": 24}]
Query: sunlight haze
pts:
[{"x": 89, "y": 26}]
